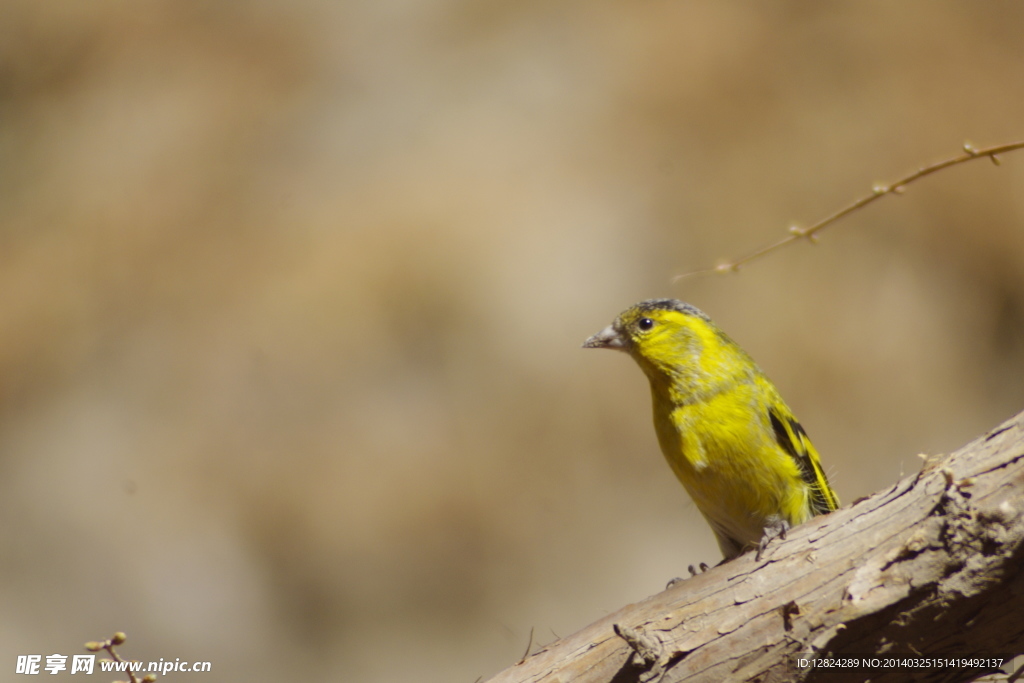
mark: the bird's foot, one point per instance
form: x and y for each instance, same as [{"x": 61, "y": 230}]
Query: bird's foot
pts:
[
  {"x": 774, "y": 529},
  {"x": 699, "y": 569}
]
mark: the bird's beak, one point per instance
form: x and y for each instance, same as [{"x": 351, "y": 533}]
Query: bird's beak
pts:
[{"x": 608, "y": 338}]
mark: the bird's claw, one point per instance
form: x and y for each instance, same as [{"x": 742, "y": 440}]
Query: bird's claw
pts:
[{"x": 776, "y": 529}]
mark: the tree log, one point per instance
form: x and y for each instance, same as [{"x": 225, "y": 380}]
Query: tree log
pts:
[{"x": 927, "y": 571}]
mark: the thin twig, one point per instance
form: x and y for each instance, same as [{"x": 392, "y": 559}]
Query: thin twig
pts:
[
  {"x": 529, "y": 646},
  {"x": 879, "y": 191},
  {"x": 118, "y": 639}
]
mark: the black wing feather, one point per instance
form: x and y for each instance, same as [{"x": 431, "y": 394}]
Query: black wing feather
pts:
[{"x": 793, "y": 440}]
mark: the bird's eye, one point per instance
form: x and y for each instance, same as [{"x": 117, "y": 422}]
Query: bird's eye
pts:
[{"x": 645, "y": 324}]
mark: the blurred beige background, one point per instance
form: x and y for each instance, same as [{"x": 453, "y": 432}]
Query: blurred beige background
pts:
[{"x": 291, "y": 299}]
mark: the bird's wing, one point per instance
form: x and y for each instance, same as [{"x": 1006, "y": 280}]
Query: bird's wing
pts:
[{"x": 791, "y": 436}]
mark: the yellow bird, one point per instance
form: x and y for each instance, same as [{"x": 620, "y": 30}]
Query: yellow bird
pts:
[{"x": 722, "y": 425}]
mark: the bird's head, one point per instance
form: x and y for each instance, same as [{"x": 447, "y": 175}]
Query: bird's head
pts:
[{"x": 669, "y": 339}]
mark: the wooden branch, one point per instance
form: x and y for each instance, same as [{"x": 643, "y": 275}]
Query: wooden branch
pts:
[{"x": 932, "y": 567}]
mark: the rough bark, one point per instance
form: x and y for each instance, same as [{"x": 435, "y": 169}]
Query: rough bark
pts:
[{"x": 932, "y": 567}]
